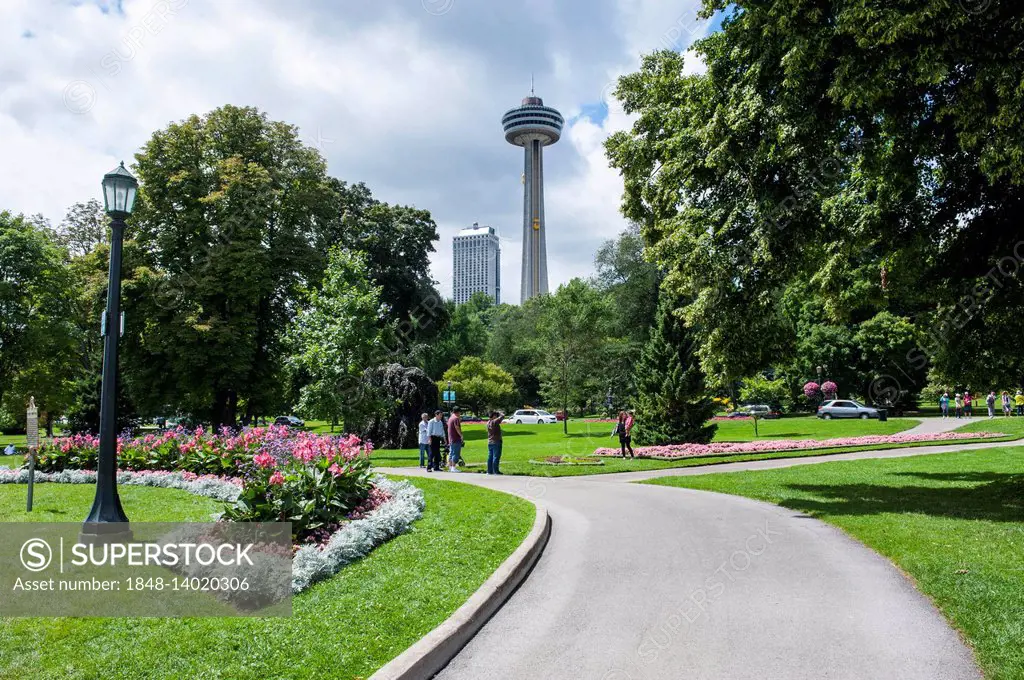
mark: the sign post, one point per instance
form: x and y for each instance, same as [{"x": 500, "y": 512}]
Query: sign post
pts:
[{"x": 32, "y": 435}]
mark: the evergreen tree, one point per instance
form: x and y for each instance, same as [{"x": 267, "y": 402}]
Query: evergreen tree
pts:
[{"x": 672, "y": 403}]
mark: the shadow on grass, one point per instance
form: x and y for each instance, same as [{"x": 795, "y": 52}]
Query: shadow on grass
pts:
[{"x": 997, "y": 497}]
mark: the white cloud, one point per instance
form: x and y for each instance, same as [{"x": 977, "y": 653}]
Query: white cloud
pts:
[{"x": 408, "y": 101}]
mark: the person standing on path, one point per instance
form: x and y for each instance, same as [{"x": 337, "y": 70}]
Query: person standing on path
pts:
[
  {"x": 958, "y": 405},
  {"x": 968, "y": 404},
  {"x": 424, "y": 438},
  {"x": 990, "y": 401},
  {"x": 1006, "y": 403},
  {"x": 494, "y": 443},
  {"x": 435, "y": 431},
  {"x": 944, "y": 404},
  {"x": 455, "y": 440}
]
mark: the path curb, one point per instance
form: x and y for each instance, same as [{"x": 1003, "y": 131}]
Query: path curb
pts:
[{"x": 431, "y": 654}]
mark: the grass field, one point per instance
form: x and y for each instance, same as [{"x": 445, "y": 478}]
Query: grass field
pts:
[
  {"x": 526, "y": 442},
  {"x": 953, "y": 522},
  {"x": 346, "y": 627}
]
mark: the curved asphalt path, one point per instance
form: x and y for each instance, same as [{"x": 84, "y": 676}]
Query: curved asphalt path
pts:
[{"x": 646, "y": 582}]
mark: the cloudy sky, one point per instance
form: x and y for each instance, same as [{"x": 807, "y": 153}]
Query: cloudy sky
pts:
[{"x": 406, "y": 95}]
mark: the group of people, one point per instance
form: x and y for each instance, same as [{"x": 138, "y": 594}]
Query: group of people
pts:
[
  {"x": 963, "y": 404},
  {"x": 435, "y": 434}
]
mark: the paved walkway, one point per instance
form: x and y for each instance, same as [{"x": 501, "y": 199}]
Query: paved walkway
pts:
[{"x": 643, "y": 583}]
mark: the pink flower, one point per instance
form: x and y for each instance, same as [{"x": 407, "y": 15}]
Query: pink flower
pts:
[
  {"x": 277, "y": 478},
  {"x": 264, "y": 460},
  {"x": 336, "y": 470}
]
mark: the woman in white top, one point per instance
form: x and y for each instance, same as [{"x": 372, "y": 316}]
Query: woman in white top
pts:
[{"x": 424, "y": 439}]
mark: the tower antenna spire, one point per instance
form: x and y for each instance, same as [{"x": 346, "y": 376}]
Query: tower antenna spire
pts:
[{"x": 532, "y": 93}]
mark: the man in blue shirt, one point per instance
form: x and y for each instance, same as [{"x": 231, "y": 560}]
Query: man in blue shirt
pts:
[{"x": 435, "y": 432}]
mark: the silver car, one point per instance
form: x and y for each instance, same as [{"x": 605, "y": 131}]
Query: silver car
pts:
[{"x": 846, "y": 408}]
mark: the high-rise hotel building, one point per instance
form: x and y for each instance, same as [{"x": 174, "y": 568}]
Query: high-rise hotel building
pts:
[{"x": 477, "y": 264}]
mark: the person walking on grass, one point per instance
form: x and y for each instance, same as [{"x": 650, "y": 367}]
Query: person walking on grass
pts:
[
  {"x": 958, "y": 405},
  {"x": 455, "y": 440},
  {"x": 1018, "y": 399},
  {"x": 1006, "y": 403},
  {"x": 968, "y": 405},
  {"x": 944, "y": 404},
  {"x": 494, "y": 443},
  {"x": 435, "y": 431},
  {"x": 990, "y": 401},
  {"x": 424, "y": 439}
]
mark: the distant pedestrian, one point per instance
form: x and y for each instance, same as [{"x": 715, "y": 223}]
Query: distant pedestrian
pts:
[
  {"x": 424, "y": 439},
  {"x": 623, "y": 427},
  {"x": 1018, "y": 399},
  {"x": 494, "y": 443},
  {"x": 990, "y": 401},
  {"x": 968, "y": 404},
  {"x": 944, "y": 404},
  {"x": 435, "y": 431},
  {"x": 455, "y": 441},
  {"x": 958, "y": 405},
  {"x": 9, "y": 450},
  {"x": 1006, "y": 403}
]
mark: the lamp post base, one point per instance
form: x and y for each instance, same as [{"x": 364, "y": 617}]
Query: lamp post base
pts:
[{"x": 105, "y": 532}]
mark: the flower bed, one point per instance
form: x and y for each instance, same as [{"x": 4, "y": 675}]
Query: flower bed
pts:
[
  {"x": 315, "y": 482},
  {"x": 679, "y": 451}
]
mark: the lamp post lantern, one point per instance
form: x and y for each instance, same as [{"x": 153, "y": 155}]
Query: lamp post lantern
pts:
[
  {"x": 820, "y": 371},
  {"x": 107, "y": 516}
]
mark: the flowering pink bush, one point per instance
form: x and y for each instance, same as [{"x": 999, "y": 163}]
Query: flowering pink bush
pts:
[
  {"x": 830, "y": 389},
  {"x": 812, "y": 390},
  {"x": 677, "y": 451}
]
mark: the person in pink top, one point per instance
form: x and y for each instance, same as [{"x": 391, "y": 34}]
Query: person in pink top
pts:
[
  {"x": 455, "y": 440},
  {"x": 624, "y": 428}
]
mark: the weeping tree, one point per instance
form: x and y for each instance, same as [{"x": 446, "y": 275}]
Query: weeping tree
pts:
[
  {"x": 403, "y": 393},
  {"x": 672, "y": 402}
]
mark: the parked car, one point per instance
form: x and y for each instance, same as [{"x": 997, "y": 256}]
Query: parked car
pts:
[
  {"x": 846, "y": 408},
  {"x": 531, "y": 417},
  {"x": 762, "y": 411},
  {"x": 289, "y": 421}
]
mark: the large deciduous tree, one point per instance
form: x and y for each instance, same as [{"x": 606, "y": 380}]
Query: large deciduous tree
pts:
[
  {"x": 869, "y": 151},
  {"x": 573, "y": 332},
  {"x": 335, "y": 338},
  {"x": 38, "y": 335},
  {"x": 229, "y": 208}
]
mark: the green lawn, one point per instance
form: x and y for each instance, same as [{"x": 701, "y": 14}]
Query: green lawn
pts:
[
  {"x": 71, "y": 503},
  {"x": 526, "y": 442},
  {"x": 954, "y": 522},
  {"x": 346, "y": 627}
]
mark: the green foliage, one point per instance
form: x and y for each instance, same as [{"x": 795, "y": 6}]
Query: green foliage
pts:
[
  {"x": 514, "y": 344},
  {"x": 227, "y": 205},
  {"x": 38, "y": 335},
  {"x": 897, "y": 195},
  {"x": 480, "y": 385},
  {"x": 573, "y": 331},
  {"x": 760, "y": 390},
  {"x": 334, "y": 338},
  {"x": 672, "y": 401},
  {"x": 465, "y": 334}
]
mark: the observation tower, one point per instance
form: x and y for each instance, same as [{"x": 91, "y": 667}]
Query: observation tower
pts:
[{"x": 533, "y": 126}]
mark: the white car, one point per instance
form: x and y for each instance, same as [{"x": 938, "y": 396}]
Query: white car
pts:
[{"x": 531, "y": 417}]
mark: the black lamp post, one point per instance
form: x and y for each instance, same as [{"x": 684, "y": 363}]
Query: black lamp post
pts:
[
  {"x": 107, "y": 516},
  {"x": 820, "y": 371}
]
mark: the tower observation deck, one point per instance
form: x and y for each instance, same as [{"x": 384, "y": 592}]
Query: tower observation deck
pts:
[{"x": 533, "y": 126}]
